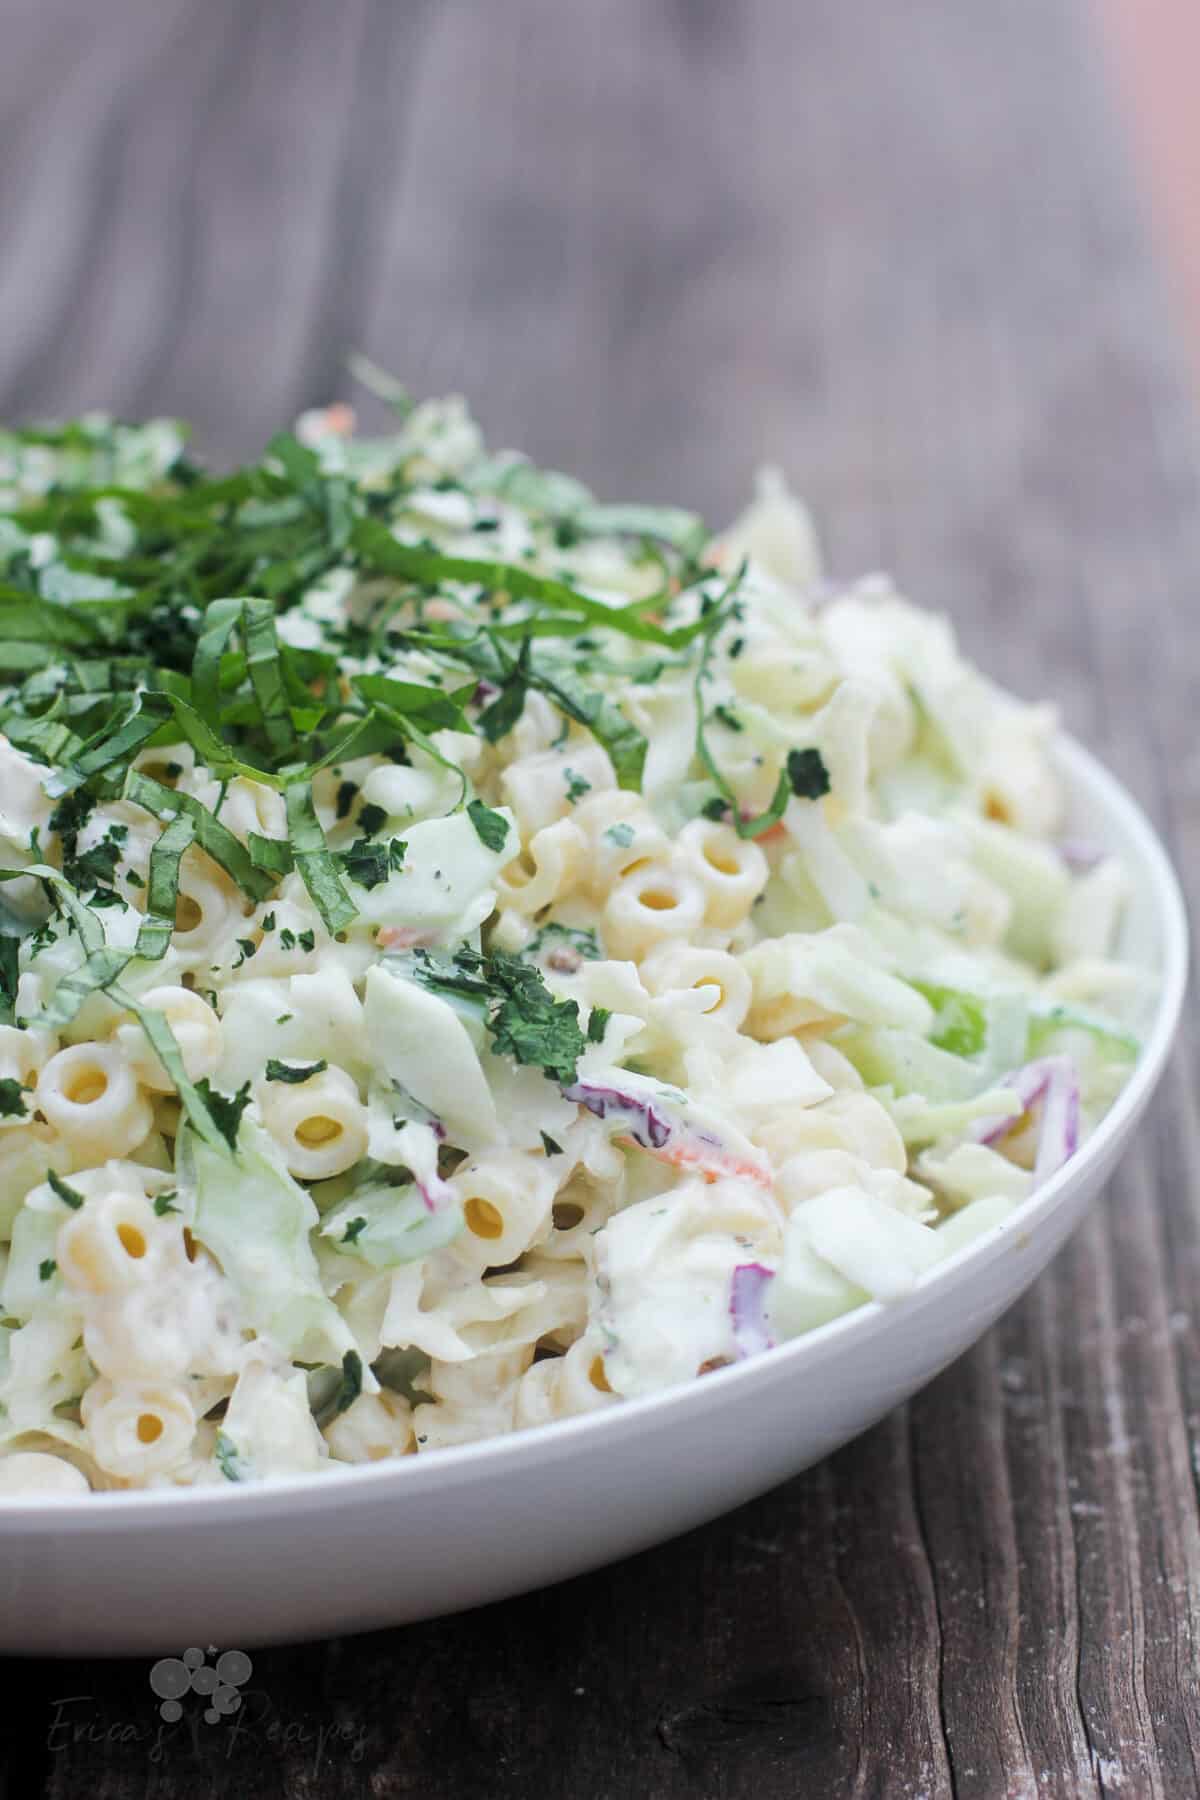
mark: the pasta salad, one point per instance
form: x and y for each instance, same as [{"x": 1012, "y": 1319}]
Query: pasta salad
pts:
[{"x": 470, "y": 953}]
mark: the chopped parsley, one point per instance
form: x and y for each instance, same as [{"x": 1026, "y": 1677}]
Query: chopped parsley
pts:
[
  {"x": 807, "y": 774},
  {"x": 12, "y": 1098},
  {"x": 295, "y": 1073},
  {"x": 530, "y": 1025},
  {"x": 598, "y": 1024},
  {"x": 549, "y": 1145},
  {"x": 166, "y": 1203},
  {"x": 490, "y": 827},
  {"x": 68, "y": 1195},
  {"x": 46, "y": 1269},
  {"x": 580, "y": 938},
  {"x": 354, "y": 1230},
  {"x": 370, "y": 863},
  {"x": 225, "y": 1110},
  {"x": 621, "y": 834},
  {"x": 97, "y": 867},
  {"x": 525, "y": 1020},
  {"x": 289, "y": 939},
  {"x": 577, "y": 787}
]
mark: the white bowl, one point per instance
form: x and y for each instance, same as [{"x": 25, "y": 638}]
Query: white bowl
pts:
[{"x": 391, "y": 1542}]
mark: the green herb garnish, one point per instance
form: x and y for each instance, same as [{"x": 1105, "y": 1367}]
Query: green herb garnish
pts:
[
  {"x": 352, "y": 1380},
  {"x": 807, "y": 775},
  {"x": 580, "y": 938},
  {"x": 12, "y": 1098},
  {"x": 369, "y": 863},
  {"x": 225, "y": 1110},
  {"x": 490, "y": 828},
  {"x": 598, "y": 1024},
  {"x": 295, "y": 1073},
  {"x": 68, "y": 1195},
  {"x": 524, "y": 1018}
]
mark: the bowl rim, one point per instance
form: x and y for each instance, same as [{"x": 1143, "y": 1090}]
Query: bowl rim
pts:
[{"x": 291, "y": 1494}]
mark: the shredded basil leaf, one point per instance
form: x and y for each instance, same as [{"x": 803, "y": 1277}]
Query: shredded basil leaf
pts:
[
  {"x": 352, "y": 1381},
  {"x": 10, "y": 975},
  {"x": 162, "y": 891},
  {"x": 213, "y": 837},
  {"x": 314, "y": 861}
]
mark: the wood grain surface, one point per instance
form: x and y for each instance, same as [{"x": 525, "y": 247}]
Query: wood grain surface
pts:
[{"x": 896, "y": 249}]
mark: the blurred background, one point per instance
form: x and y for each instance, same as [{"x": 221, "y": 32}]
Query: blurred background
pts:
[{"x": 651, "y": 239}]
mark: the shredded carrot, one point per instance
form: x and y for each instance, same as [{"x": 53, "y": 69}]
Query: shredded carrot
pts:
[{"x": 684, "y": 1156}]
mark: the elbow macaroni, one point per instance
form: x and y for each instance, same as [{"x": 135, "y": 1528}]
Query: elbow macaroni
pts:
[
  {"x": 320, "y": 1125},
  {"x": 90, "y": 1095}
]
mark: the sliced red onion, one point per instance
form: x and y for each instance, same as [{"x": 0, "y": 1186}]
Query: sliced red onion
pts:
[
  {"x": 748, "y": 1308},
  {"x": 1028, "y": 1084},
  {"x": 644, "y": 1125},
  {"x": 418, "y": 1144},
  {"x": 411, "y": 1111},
  {"x": 1081, "y": 854},
  {"x": 1058, "y": 1139},
  {"x": 680, "y": 1139},
  {"x": 1055, "y": 1082},
  {"x": 435, "y": 1193}
]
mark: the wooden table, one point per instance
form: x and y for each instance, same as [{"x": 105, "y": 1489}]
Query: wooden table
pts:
[{"x": 896, "y": 249}]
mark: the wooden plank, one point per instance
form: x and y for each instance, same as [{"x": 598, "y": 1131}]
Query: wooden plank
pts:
[{"x": 894, "y": 249}]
